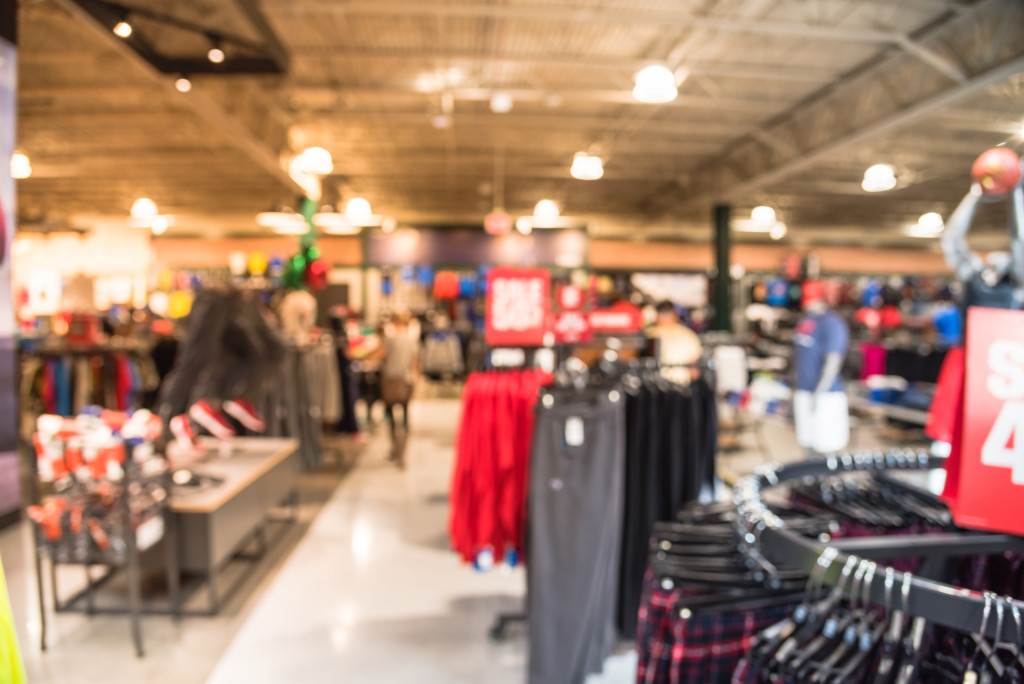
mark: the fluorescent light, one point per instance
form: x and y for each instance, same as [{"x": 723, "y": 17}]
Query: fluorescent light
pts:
[
  {"x": 763, "y": 216},
  {"x": 21, "y": 167},
  {"x": 215, "y": 55},
  {"x": 122, "y": 29},
  {"x": 778, "y": 231},
  {"x": 144, "y": 208},
  {"x": 501, "y": 102},
  {"x": 545, "y": 213},
  {"x": 879, "y": 178},
  {"x": 315, "y": 161},
  {"x": 524, "y": 225},
  {"x": 655, "y": 85},
  {"x": 586, "y": 166},
  {"x": 359, "y": 212},
  {"x": 283, "y": 222},
  {"x": 183, "y": 85}
]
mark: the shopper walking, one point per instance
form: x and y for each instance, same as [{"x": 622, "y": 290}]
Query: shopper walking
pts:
[{"x": 400, "y": 366}]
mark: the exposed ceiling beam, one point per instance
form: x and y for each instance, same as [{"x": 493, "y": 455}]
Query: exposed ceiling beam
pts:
[
  {"x": 560, "y": 13},
  {"x": 204, "y": 107},
  {"x": 625, "y": 97},
  {"x": 629, "y": 65},
  {"x": 863, "y": 108}
]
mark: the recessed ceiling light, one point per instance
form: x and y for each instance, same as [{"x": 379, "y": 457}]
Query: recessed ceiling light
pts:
[
  {"x": 122, "y": 29},
  {"x": 183, "y": 84}
]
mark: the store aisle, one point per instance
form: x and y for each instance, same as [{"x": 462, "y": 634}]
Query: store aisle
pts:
[{"x": 372, "y": 594}]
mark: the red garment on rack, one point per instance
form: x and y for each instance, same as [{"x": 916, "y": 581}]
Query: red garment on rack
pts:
[{"x": 489, "y": 481}]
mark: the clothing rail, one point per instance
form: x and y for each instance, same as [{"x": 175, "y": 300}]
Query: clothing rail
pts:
[{"x": 954, "y": 607}]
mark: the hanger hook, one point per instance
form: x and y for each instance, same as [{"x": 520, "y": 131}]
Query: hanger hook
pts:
[
  {"x": 985, "y": 613},
  {"x": 890, "y": 580},
  {"x": 908, "y": 579},
  {"x": 869, "y": 581}
]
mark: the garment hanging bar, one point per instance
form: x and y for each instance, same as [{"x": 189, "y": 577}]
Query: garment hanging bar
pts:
[{"x": 943, "y": 604}]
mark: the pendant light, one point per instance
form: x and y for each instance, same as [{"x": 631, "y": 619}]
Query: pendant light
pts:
[
  {"x": 879, "y": 178},
  {"x": 655, "y": 84},
  {"x": 586, "y": 166},
  {"x": 545, "y": 214},
  {"x": 359, "y": 212},
  {"x": 144, "y": 208}
]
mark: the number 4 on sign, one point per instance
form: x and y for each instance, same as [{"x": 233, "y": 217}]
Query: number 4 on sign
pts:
[{"x": 1004, "y": 446}]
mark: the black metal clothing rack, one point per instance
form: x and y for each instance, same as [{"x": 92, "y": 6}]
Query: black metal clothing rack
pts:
[{"x": 942, "y": 604}]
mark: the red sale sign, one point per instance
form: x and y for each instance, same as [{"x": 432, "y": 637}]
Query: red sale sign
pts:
[
  {"x": 518, "y": 307},
  {"x": 990, "y": 492},
  {"x": 572, "y": 327},
  {"x": 621, "y": 317}
]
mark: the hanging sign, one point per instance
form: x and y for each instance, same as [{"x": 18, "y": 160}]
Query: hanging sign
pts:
[
  {"x": 990, "y": 492},
  {"x": 621, "y": 317},
  {"x": 572, "y": 327},
  {"x": 518, "y": 307}
]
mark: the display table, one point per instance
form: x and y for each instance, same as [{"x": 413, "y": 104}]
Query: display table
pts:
[{"x": 214, "y": 524}]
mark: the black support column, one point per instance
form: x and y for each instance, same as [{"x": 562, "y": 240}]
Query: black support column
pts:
[{"x": 723, "y": 279}]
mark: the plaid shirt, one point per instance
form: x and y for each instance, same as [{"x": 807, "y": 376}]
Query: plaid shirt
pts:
[{"x": 704, "y": 649}]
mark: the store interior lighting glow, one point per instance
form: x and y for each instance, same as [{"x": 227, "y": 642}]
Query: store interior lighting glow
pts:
[
  {"x": 545, "y": 213},
  {"x": 586, "y": 166},
  {"x": 655, "y": 85},
  {"x": 160, "y": 225},
  {"x": 284, "y": 222},
  {"x": 929, "y": 225},
  {"x": 778, "y": 230},
  {"x": 144, "y": 208},
  {"x": 879, "y": 178},
  {"x": 501, "y": 102},
  {"x": 441, "y": 121},
  {"x": 21, "y": 167},
  {"x": 216, "y": 53},
  {"x": 524, "y": 225},
  {"x": 315, "y": 161},
  {"x": 388, "y": 224},
  {"x": 183, "y": 84},
  {"x": 763, "y": 216},
  {"x": 359, "y": 212},
  {"x": 122, "y": 29},
  {"x": 333, "y": 222}
]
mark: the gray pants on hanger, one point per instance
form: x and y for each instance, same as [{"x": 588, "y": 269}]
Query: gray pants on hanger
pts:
[{"x": 575, "y": 526}]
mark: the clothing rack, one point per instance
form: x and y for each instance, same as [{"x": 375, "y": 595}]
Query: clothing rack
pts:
[{"x": 939, "y": 603}]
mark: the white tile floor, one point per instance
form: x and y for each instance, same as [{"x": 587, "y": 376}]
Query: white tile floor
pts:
[{"x": 370, "y": 594}]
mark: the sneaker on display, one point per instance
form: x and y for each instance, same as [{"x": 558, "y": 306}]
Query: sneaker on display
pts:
[
  {"x": 211, "y": 419},
  {"x": 245, "y": 413},
  {"x": 183, "y": 433}
]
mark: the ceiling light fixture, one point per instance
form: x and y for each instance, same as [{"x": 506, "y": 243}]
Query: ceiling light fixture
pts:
[
  {"x": 655, "y": 85},
  {"x": 333, "y": 222},
  {"x": 929, "y": 225},
  {"x": 144, "y": 208},
  {"x": 315, "y": 161},
  {"x": 283, "y": 222},
  {"x": 183, "y": 84},
  {"x": 216, "y": 52},
  {"x": 763, "y": 216},
  {"x": 160, "y": 225},
  {"x": 545, "y": 214},
  {"x": 778, "y": 231},
  {"x": 359, "y": 212},
  {"x": 501, "y": 102},
  {"x": 586, "y": 166},
  {"x": 122, "y": 29},
  {"x": 524, "y": 225},
  {"x": 388, "y": 225},
  {"x": 21, "y": 167},
  {"x": 441, "y": 121},
  {"x": 879, "y": 178}
]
